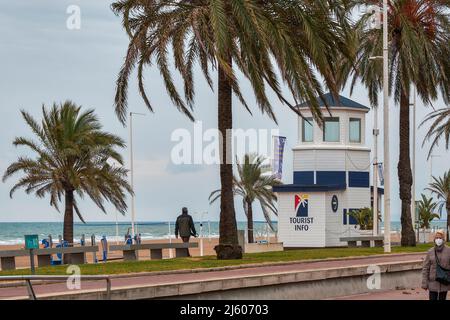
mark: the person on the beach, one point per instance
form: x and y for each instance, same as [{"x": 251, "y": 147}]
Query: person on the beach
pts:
[
  {"x": 185, "y": 226},
  {"x": 437, "y": 290}
]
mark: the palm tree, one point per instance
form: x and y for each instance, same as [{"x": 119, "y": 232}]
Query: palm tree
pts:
[
  {"x": 427, "y": 212},
  {"x": 418, "y": 49},
  {"x": 364, "y": 218},
  {"x": 441, "y": 187},
  {"x": 440, "y": 128},
  {"x": 256, "y": 37},
  {"x": 253, "y": 183},
  {"x": 73, "y": 156}
]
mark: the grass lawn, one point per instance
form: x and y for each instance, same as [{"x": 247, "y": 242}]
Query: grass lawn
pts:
[{"x": 121, "y": 267}]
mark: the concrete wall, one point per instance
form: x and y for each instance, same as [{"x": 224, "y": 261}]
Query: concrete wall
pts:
[{"x": 312, "y": 290}]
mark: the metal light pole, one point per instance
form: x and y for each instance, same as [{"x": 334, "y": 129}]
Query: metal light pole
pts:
[
  {"x": 413, "y": 203},
  {"x": 131, "y": 173},
  {"x": 201, "y": 232},
  {"x": 387, "y": 178},
  {"x": 375, "y": 23},
  {"x": 375, "y": 172}
]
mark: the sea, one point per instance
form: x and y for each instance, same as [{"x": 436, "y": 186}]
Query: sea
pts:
[{"x": 13, "y": 232}]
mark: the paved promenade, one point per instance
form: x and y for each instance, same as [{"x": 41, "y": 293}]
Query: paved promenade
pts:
[{"x": 199, "y": 276}]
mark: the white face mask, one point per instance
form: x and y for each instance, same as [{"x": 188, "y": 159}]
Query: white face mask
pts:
[{"x": 439, "y": 242}]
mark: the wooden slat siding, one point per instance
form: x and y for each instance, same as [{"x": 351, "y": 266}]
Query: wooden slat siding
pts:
[
  {"x": 315, "y": 236},
  {"x": 357, "y": 160},
  {"x": 304, "y": 160},
  {"x": 334, "y": 221},
  {"x": 334, "y": 227},
  {"x": 330, "y": 160}
]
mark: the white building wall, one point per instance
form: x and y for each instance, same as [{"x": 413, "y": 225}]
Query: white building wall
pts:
[
  {"x": 360, "y": 197},
  {"x": 331, "y": 160},
  {"x": 304, "y": 160},
  {"x": 315, "y": 236},
  {"x": 357, "y": 160},
  {"x": 335, "y": 227}
]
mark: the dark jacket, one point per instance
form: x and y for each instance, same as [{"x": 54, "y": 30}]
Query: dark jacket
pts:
[
  {"x": 429, "y": 269},
  {"x": 185, "y": 226}
]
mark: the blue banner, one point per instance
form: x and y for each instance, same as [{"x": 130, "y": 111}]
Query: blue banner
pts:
[
  {"x": 278, "y": 150},
  {"x": 380, "y": 174}
]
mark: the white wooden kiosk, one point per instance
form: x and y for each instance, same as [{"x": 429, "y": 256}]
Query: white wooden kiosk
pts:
[{"x": 330, "y": 178}]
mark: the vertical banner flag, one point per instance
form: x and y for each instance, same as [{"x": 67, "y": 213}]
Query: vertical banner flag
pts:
[
  {"x": 380, "y": 174},
  {"x": 278, "y": 150}
]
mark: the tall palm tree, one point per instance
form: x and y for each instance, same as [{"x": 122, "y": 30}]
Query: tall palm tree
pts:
[
  {"x": 427, "y": 211},
  {"x": 440, "y": 128},
  {"x": 253, "y": 183},
  {"x": 258, "y": 38},
  {"x": 441, "y": 187},
  {"x": 418, "y": 49},
  {"x": 73, "y": 156}
]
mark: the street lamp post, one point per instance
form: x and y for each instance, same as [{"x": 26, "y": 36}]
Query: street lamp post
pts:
[
  {"x": 133, "y": 217},
  {"x": 386, "y": 162},
  {"x": 387, "y": 178},
  {"x": 413, "y": 203},
  {"x": 375, "y": 24},
  {"x": 375, "y": 172},
  {"x": 201, "y": 232}
]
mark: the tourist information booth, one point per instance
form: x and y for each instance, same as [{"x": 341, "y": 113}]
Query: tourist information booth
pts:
[{"x": 330, "y": 178}]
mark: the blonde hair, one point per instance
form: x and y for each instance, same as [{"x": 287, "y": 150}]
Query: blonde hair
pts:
[{"x": 440, "y": 231}]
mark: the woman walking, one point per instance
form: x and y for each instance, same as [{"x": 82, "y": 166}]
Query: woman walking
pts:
[{"x": 438, "y": 255}]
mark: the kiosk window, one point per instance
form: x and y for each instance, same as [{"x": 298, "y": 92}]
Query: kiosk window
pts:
[
  {"x": 331, "y": 130},
  {"x": 355, "y": 130},
  {"x": 307, "y": 130}
]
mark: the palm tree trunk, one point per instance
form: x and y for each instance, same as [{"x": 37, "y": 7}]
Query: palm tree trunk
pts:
[
  {"x": 68, "y": 223},
  {"x": 250, "y": 222},
  {"x": 404, "y": 172},
  {"x": 68, "y": 218},
  {"x": 228, "y": 247}
]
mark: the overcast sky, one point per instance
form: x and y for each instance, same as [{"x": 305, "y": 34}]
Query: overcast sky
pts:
[{"x": 42, "y": 61}]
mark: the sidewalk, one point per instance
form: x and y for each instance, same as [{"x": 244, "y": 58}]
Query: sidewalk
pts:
[{"x": 199, "y": 276}]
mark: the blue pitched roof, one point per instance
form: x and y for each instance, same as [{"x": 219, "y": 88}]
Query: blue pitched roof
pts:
[{"x": 331, "y": 102}]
